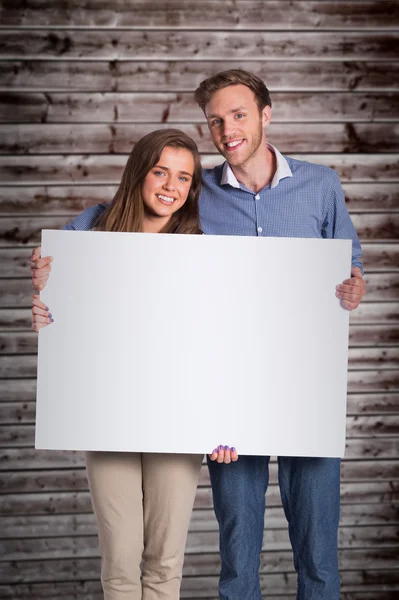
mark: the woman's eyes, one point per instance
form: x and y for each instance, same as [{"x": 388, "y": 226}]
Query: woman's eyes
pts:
[{"x": 182, "y": 178}]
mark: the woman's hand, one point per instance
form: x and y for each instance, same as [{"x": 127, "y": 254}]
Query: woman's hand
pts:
[
  {"x": 224, "y": 454},
  {"x": 40, "y": 269},
  {"x": 41, "y": 317}
]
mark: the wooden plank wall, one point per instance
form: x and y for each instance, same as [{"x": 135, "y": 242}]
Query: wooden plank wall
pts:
[{"x": 79, "y": 84}]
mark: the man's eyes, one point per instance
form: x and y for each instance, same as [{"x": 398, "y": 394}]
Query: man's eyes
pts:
[{"x": 240, "y": 115}]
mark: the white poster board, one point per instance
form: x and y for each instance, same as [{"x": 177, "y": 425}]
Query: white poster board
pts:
[{"x": 178, "y": 343}]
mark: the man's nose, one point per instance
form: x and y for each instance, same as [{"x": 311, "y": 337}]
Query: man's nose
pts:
[{"x": 228, "y": 128}]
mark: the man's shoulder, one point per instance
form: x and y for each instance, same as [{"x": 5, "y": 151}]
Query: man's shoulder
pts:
[
  {"x": 213, "y": 176},
  {"x": 308, "y": 169},
  {"x": 87, "y": 218}
]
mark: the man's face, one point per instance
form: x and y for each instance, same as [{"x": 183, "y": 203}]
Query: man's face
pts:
[{"x": 236, "y": 124}]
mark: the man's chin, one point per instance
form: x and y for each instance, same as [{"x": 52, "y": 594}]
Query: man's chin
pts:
[{"x": 229, "y": 156}]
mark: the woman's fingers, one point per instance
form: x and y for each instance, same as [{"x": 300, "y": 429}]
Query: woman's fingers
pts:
[
  {"x": 37, "y": 302},
  {"x": 41, "y": 315},
  {"x": 234, "y": 455}
]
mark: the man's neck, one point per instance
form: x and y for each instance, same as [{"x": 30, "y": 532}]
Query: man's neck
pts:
[{"x": 258, "y": 171}]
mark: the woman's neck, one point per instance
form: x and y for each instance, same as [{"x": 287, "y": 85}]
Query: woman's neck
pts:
[{"x": 155, "y": 224}]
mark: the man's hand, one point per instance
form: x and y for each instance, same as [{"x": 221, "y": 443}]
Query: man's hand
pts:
[
  {"x": 224, "y": 454},
  {"x": 40, "y": 269},
  {"x": 41, "y": 315},
  {"x": 352, "y": 290}
]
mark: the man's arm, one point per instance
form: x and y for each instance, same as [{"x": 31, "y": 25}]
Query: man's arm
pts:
[{"x": 338, "y": 225}]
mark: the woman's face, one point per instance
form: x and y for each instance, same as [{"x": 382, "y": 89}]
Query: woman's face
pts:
[{"x": 166, "y": 186}]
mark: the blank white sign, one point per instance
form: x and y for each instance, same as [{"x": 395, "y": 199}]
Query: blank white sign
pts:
[{"x": 179, "y": 343}]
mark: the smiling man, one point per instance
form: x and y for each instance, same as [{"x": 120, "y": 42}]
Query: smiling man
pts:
[{"x": 257, "y": 191}]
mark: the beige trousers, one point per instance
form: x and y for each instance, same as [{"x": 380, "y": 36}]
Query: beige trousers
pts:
[{"x": 143, "y": 505}]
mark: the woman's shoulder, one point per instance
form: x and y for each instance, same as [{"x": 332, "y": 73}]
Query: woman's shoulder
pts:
[{"x": 86, "y": 220}]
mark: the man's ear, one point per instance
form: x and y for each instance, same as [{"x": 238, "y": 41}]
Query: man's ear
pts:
[{"x": 266, "y": 116}]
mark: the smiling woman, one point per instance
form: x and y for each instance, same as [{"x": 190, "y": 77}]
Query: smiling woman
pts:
[
  {"x": 159, "y": 189},
  {"x": 143, "y": 501},
  {"x": 166, "y": 187}
]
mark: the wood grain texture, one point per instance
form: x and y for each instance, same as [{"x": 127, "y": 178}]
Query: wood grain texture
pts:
[
  {"x": 381, "y": 287},
  {"x": 18, "y": 107},
  {"x": 91, "y": 590},
  {"x": 276, "y": 569},
  {"x": 38, "y": 526},
  {"x": 241, "y": 14},
  {"x": 378, "y": 402},
  {"x": 173, "y": 44},
  {"x": 383, "y": 537},
  {"x": 23, "y": 434},
  {"x": 80, "y": 82},
  {"x": 73, "y": 478},
  {"x": 51, "y": 138},
  {"x": 23, "y": 231},
  {"x": 49, "y": 503},
  {"x": 107, "y": 169},
  {"x": 186, "y": 75},
  {"x": 370, "y": 346},
  {"x": 368, "y": 313},
  {"x": 70, "y": 591},
  {"x": 71, "y": 200},
  {"x": 359, "y": 453}
]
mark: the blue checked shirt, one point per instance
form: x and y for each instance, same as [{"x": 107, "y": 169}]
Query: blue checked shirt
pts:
[{"x": 303, "y": 200}]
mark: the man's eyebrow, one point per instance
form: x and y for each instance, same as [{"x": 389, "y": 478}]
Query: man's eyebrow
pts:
[
  {"x": 167, "y": 169},
  {"x": 233, "y": 110}
]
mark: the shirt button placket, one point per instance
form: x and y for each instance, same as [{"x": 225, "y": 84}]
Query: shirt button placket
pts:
[{"x": 257, "y": 197}]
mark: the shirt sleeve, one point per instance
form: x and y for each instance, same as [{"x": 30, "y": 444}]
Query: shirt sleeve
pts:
[
  {"x": 86, "y": 220},
  {"x": 338, "y": 224}
]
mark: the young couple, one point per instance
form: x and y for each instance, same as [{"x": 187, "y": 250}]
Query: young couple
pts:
[{"x": 143, "y": 502}]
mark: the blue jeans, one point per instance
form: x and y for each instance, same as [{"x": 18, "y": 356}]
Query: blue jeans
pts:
[{"x": 310, "y": 494}]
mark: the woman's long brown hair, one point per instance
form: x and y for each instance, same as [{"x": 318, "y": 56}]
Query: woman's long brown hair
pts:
[{"x": 127, "y": 210}]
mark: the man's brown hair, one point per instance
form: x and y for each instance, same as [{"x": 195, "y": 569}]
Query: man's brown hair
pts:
[
  {"x": 127, "y": 210},
  {"x": 209, "y": 86}
]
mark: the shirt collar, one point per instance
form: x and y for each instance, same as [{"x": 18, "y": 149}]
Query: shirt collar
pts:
[{"x": 283, "y": 170}]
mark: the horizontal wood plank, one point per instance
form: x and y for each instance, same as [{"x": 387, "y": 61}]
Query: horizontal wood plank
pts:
[
  {"x": 25, "y": 366},
  {"x": 378, "y": 492},
  {"x": 186, "y": 75},
  {"x": 74, "y": 479},
  {"x": 26, "y": 230},
  {"x": 83, "y": 546},
  {"x": 180, "y": 107},
  {"x": 99, "y": 169},
  {"x": 357, "y": 449},
  {"x": 367, "y": 313},
  {"x": 17, "y": 293},
  {"x": 173, "y": 44},
  {"x": 360, "y": 337},
  {"x": 38, "y": 526},
  {"x": 71, "y": 200},
  {"x": 241, "y": 14},
  {"x": 23, "y": 434},
  {"x": 277, "y": 571},
  {"x": 92, "y": 591},
  {"x": 51, "y": 138},
  {"x": 24, "y": 390}
]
